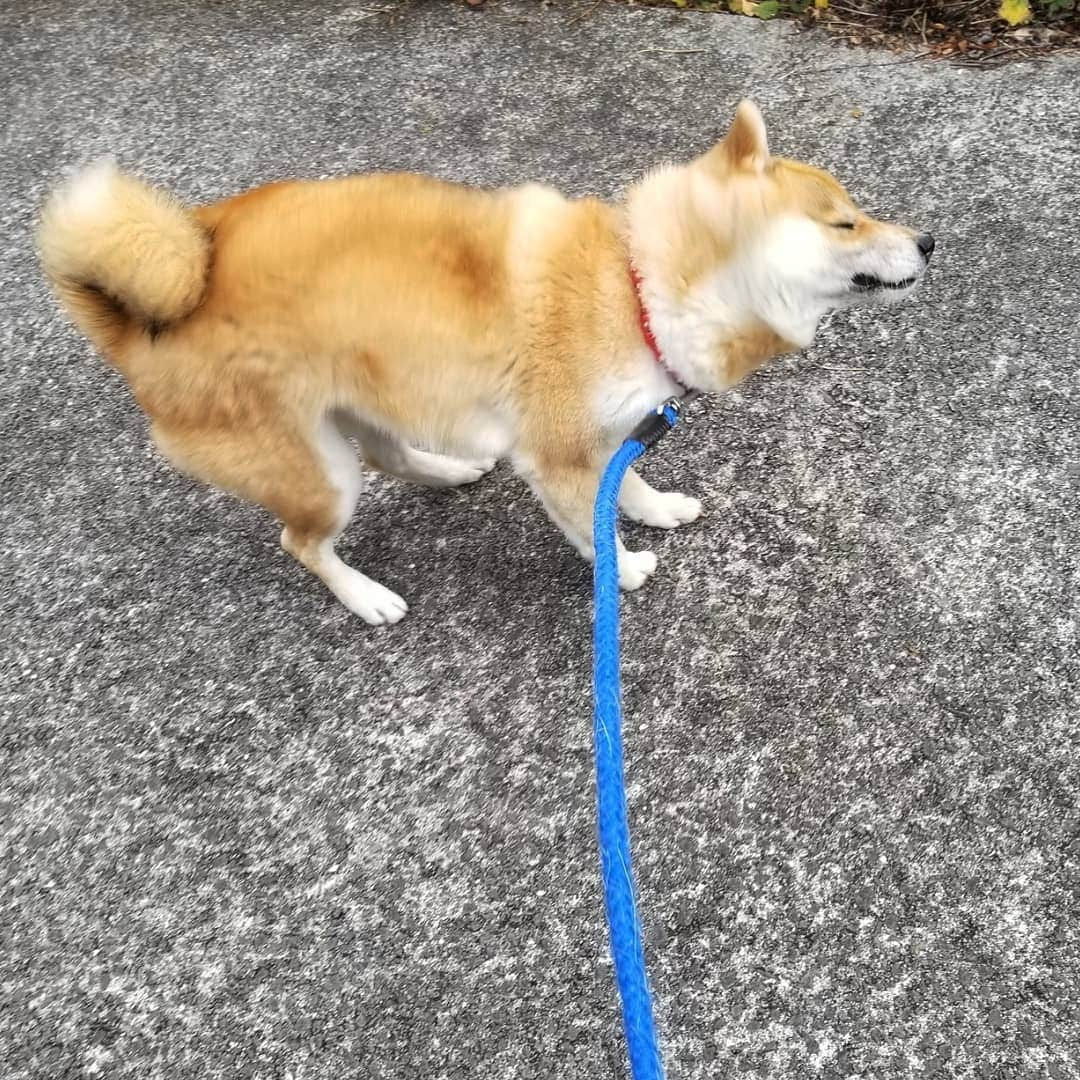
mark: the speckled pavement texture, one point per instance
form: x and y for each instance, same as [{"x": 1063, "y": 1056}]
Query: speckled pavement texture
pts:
[{"x": 243, "y": 835}]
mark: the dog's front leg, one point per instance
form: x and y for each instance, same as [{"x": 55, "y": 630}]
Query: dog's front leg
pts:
[
  {"x": 568, "y": 493},
  {"x": 660, "y": 509}
]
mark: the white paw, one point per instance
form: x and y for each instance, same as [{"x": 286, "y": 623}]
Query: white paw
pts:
[
  {"x": 453, "y": 472},
  {"x": 668, "y": 510},
  {"x": 374, "y": 603},
  {"x": 470, "y": 471},
  {"x": 635, "y": 568}
]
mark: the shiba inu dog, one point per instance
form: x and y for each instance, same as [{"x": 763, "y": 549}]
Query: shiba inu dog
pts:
[{"x": 276, "y": 338}]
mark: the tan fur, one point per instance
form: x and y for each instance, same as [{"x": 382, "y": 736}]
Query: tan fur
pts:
[
  {"x": 118, "y": 237},
  {"x": 259, "y": 331}
]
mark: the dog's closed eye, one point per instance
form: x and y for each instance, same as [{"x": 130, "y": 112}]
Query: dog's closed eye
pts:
[{"x": 843, "y": 224}]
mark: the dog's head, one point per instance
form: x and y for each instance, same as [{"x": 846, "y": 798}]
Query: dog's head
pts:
[{"x": 798, "y": 244}]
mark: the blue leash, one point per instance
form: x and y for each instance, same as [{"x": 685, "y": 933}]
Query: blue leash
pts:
[{"x": 624, "y": 928}]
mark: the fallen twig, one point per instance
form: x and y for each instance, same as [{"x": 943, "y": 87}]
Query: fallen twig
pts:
[
  {"x": 584, "y": 15},
  {"x": 854, "y": 67}
]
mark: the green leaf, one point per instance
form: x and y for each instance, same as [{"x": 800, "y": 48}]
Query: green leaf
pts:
[{"x": 766, "y": 9}]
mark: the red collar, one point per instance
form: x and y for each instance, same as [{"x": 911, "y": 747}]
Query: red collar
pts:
[
  {"x": 643, "y": 318},
  {"x": 646, "y": 330}
]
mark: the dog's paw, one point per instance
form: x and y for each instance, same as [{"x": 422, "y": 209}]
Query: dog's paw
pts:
[
  {"x": 471, "y": 471},
  {"x": 374, "y": 603},
  {"x": 668, "y": 510},
  {"x": 635, "y": 568},
  {"x": 453, "y": 472}
]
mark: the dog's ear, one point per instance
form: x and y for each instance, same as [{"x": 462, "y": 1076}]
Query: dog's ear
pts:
[{"x": 746, "y": 146}]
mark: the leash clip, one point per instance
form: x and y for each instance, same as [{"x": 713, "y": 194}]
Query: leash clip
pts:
[{"x": 657, "y": 424}]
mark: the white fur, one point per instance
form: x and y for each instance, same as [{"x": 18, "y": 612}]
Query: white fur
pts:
[
  {"x": 485, "y": 432},
  {"x": 685, "y": 330},
  {"x": 88, "y": 193},
  {"x": 438, "y": 470},
  {"x": 781, "y": 278},
  {"x": 341, "y": 467},
  {"x": 772, "y": 281},
  {"x": 635, "y": 568},
  {"x": 787, "y": 276},
  {"x": 803, "y": 275},
  {"x": 622, "y": 400},
  {"x": 374, "y": 603},
  {"x": 392, "y": 454},
  {"x": 658, "y": 509}
]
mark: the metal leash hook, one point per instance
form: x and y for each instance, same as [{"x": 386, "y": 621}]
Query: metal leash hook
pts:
[
  {"x": 624, "y": 927},
  {"x": 657, "y": 424}
]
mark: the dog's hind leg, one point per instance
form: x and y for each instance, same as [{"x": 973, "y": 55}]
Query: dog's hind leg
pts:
[
  {"x": 309, "y": 481},
  {"x": 390, "y": 455}
]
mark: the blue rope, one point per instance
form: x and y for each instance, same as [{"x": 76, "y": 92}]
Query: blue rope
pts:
[{"x": 624, "y": 928}]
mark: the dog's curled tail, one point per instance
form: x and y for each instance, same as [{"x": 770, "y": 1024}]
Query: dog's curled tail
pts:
[{"x": 122, "y": 257}]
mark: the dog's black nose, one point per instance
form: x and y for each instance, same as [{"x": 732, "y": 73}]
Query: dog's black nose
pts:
[{"x": 925, "y": 243}]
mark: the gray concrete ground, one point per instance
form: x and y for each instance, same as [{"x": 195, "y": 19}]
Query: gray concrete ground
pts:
[{"x": 244, "y": 835}]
